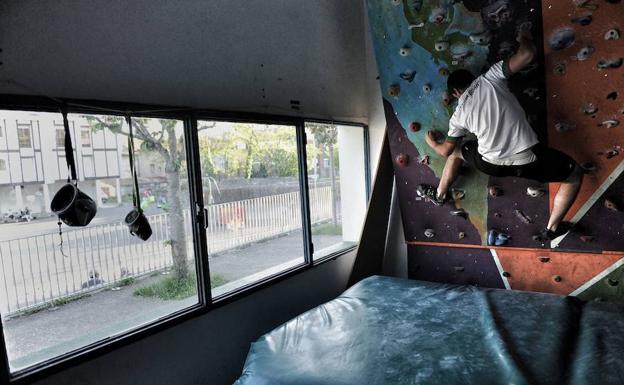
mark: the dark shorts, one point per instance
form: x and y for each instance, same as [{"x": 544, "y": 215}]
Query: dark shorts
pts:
[{"x": 551, "y": 165}]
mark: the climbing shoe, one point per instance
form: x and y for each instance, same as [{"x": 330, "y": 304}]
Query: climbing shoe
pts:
[
  {"x": 549, "y": 235},
  {"x": 429, "y": 193}
]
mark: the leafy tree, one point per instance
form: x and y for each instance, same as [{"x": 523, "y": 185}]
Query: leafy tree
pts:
[
  {"x": 160, "y": 138},
  {"x": 325, "y": 139}
]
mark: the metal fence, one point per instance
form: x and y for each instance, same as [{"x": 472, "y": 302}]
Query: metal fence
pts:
[{"x": 36, "y": 270}]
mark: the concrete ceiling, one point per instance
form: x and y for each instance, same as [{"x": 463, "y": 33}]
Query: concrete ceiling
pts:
[{"x": 252, "y": 55}]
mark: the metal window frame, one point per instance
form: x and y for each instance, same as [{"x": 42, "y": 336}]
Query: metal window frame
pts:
[{"x": 206, "y": 302}]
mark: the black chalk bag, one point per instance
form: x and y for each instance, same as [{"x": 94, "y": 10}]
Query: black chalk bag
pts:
[
  {"x": 137, "y": 222},
  {"x": 72, "y": 206}
]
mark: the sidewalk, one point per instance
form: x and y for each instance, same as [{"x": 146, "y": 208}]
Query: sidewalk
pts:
[{"x": 39, "y": 336}]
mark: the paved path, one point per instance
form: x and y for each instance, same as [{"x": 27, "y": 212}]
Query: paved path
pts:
[{"x": 42, "y": 335}]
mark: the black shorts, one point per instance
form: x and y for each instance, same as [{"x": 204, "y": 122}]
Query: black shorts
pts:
[{"x": 551, "y": 165}]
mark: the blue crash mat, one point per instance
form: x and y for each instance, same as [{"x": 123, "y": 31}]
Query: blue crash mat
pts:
[{"x": 394, "y": 331}]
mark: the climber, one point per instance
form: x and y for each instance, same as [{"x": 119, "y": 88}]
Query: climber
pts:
[{"x": 505, "y": 144}]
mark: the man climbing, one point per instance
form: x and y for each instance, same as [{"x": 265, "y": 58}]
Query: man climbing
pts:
[{"x": 505, "y": 144}]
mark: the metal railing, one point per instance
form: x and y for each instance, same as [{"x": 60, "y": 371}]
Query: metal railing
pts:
[{"x": 36, "y": 271}]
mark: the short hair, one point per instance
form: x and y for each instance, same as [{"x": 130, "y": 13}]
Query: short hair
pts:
[{"x": 460, "y": 79}]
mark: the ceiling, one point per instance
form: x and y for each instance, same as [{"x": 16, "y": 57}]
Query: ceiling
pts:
[{"x": 251, "y": 55}]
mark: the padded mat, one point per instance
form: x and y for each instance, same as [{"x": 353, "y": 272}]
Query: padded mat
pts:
[{"x": 395, "y": 331}]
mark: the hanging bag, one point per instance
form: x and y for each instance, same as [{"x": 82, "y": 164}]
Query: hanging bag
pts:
[
  {"x": 72, "y": 206},
  {"x": 137, "y": 222}
]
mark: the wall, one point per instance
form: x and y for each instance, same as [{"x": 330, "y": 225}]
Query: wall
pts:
[
  {"x": 584, "y": 263},
  {"x": 232, "y": 55}
]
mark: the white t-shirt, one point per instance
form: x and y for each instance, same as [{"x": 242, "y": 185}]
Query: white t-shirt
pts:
[{"x": 489, "y": 110}]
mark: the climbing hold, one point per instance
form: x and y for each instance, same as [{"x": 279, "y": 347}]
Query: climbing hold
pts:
[
  {"x": 402, "y": 160},
  {"x": 458, "y": 194},
  {"x": 408, "y": 75},
  {"x": 529, "y": 68},
  {"x": 458, "y": 268},
  {"x": 498, "y": 215},
  {"x": 612, "y": 95},
  {"x": 441, "y": 46},
  {"x": 613, "y": 1},
  {"x": 535, "y": 192},
  {"x": 556, "y": 278},
  {"x": 446, "y": 99},
  {"x": 394, "y": 90},
  {"x": 495, "y": 191},
  {"x": 583, "y": 20},
  {"x": 418, "y": 24},
  {"x": 589, "y": 109},
  {"x": 560, "y": 69},
  {"x": 482, "y": 38},
  {"x": 588, "y": 167},
  {"x": 531, "y": 92},
  {"x": 609, "y": 123},
  {"x": 609, "y": 204},
  {"x": 429, "y": 233},
  {"x": 496, "y": 238},
  {"x": 461, "y": 235},
  {"x": 584, "y": 53},
  {"x": 612, "y": 34},
  {"x": 444, "y": 72},
  {"x": 438, "y": 15},
  {"x": 425, "y": 160},
  {"x": 562, "y": 127},
  {"x": 396, "y": 2},
  {"x": 586, "y": 238},
  {"x": 561, "y": 39},
  {"x": 404, "y": 51},
  {"x": 415, "y": 126},
  {"x": 543, "y": 259},
  {"x": 459, "y": 213},
  {"x": 460, "y": 52},
  {"x": 427, "y": 88},
  {"x": 610, "y": 63},
  {"x": 586, "y": 4},
  {"x": 612, "y": 152},
  {"x": 505, "y": 274},
  {"x": 612, "y": 282},
  {"x": 523, "y": 217}
]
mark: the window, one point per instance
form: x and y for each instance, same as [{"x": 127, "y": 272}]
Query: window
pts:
[
  {"x": 337, "y": 183},
  {"x": 24, "y": 135},
  {"x": 103, "y": 281},
  {"x": 250, "y": 178},
  {"x": 85, "y": 136},
  {"x": 60, "y": 138}
]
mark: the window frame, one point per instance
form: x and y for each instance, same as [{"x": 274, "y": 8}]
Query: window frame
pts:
[{"x": 206, "y": 302}]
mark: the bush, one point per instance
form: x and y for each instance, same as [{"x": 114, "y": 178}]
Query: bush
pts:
[{"x": 176, "y": 288}]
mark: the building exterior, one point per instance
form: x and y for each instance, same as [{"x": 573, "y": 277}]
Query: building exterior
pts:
[{"x": 33, "y": 166}]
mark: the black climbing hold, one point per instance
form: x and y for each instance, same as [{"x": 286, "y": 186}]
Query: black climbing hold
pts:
[
  {"x": 556, "y": 278},
  {"x": 506, "y": 274},
  {"x": 544, "y": 259},
  {"x": 495, "y": 191},
  {"x": 459, "y": 213},
  {"x": 612, "y": 96},
  {"x": 458, "y": 268},
  {"x": 408, "y": 75},
  {"x": 610, "y": 63},
  {"x": 583, "y": 20},
  {"x": 402, "y": 160},
  {"x": 612, "y": 282},
  {"x": 561, "y": 39}
]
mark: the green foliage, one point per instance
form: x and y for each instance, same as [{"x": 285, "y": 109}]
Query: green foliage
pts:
[
  {"x": 327, "y": 229},
  {"x": 249, "y": 151},
  {"x": 53, "y": 304},
  {"x": 171, "y": 288},
  {"x": 126, "y": 282}
]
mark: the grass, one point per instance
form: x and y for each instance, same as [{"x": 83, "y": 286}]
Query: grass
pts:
[
  {"x": 53, "y": 304},
  {"x": 327, "y": 229},
  {"x": 174, "y": 288}
]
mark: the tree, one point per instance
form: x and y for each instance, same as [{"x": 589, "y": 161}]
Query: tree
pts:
[
  {"x": 161, "y": 139},
  {"x": 326, "y": 137}
]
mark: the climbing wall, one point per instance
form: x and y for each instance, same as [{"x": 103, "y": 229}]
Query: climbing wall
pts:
[{"x": 572, "y": 96}]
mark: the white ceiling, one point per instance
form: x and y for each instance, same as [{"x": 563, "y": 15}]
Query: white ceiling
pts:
[{"x": 253, "y": 55}]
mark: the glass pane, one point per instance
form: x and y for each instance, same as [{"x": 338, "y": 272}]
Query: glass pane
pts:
[
  {"x": 101, "y": 281},
  {"x": 250, "y": 178},
  {"x": 336, "y": 169}
]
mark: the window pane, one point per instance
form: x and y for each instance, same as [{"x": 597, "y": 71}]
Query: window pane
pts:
[
  {"x": 102, "y": 281},
  {"x": 250, "y": 176},
  {"x": 336, "y": 169}
]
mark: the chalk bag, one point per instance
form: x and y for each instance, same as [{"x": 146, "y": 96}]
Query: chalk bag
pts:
[
  {"x": 137, "y": 222},
  {"x": 72, "y": 206}
]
